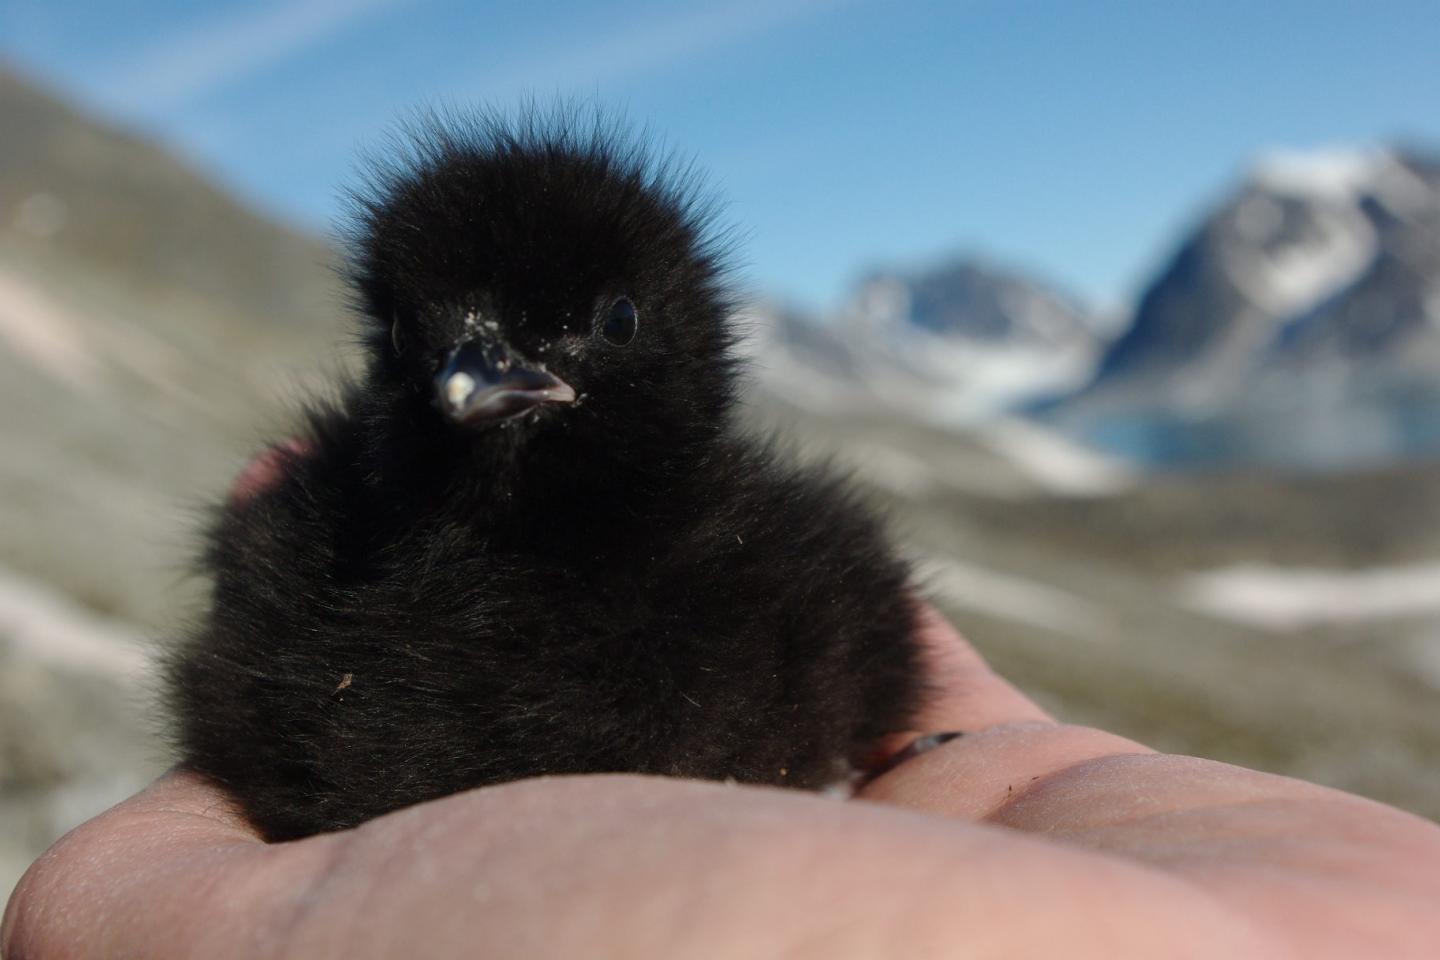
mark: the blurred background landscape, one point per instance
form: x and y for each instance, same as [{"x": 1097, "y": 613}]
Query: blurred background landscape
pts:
[{"x": 1183, "y": 481}]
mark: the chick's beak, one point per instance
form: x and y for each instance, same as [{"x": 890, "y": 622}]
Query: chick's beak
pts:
[{"x": 482, "y": 383}]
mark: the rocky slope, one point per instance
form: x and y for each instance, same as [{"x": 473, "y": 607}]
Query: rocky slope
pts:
[
  {"x": 151, "y": 328},
  {"x": 1298, "y": 326}
]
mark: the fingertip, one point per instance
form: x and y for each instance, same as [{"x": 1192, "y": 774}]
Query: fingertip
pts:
[
  {"x": 962, "y": 691},
  {"x": 977, "y": 776},
  {"x": 183, "y": 792},
  {"x": 266, "y": 470}
]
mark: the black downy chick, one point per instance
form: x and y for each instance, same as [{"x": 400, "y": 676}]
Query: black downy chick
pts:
[{"x": 528, "y": 541}]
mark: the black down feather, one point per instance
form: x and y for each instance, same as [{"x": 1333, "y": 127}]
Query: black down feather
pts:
[{"x": 528, "y": 540}]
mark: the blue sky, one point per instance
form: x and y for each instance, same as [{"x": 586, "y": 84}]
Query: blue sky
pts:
[{"x": 1074, "y": 139}]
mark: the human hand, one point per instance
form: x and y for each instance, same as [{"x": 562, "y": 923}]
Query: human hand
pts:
[{"x": 1024, "y": 837}]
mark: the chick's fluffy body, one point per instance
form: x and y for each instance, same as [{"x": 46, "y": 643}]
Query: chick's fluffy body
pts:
[{"x": 621, "y": 583}]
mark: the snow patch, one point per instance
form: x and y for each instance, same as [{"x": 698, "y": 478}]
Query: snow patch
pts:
[
  {"x": 1333, "y": 173},
  {"x": 1288, "y": 276},
  {"x": 1345, "y": 175},
  {"x": 39, "y": 330},
  {"x": 50, "y": 627},
  {"x": 953, "y": 381},
  {"x": 1056, "y": 463},
  {"x": 945, "y": 381},
  {"x": 1303, "y": 230},
  {"x": 1293, "y": 598}
]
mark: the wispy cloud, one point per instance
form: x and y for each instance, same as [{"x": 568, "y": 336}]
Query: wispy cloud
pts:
[
  {"x": 196, "y": 60},
  {"x": 638, "y": 46}
]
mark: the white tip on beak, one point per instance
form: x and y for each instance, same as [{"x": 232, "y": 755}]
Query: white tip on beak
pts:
[{"x": 458, "y": 388}]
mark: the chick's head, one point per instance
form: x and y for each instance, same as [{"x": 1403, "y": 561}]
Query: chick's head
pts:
[{"x": 526, "y": 270}]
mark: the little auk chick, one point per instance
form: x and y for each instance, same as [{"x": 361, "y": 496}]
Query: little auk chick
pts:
[{"x": 528, "y": 539}]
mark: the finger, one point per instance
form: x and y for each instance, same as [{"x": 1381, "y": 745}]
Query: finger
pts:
[
  {"x": 182, "y": 793},
  {"x": 981, "y": 774},
  {"x": 145, "y": 873},
  {"x": 964, "y": 693},
  {"x": 267, "y": 469},
  {"x": 1009, "y": 744}
]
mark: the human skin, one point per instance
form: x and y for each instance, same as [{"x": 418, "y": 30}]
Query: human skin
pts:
[{"x": 1025, "y": 837}]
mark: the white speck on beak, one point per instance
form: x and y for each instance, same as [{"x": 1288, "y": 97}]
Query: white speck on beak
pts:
[{"x": 458, "y": 388}]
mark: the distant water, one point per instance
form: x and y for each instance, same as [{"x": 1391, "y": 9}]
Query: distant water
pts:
[{"x": 1322, "y": 438}]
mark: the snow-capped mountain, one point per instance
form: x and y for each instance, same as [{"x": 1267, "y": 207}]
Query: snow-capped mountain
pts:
[
  {"x": 1298, "y": 325},
  {"x": 950, "y": 345},
  {"x": 1388, "y": 312}
]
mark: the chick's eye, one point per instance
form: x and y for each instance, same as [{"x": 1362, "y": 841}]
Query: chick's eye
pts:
[
  {"x": 397, "y": 338},
  {"x": 620, "y": 323}
]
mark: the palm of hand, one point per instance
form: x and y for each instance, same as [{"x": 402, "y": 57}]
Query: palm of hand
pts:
[{"x": 1023, "y": 837}]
